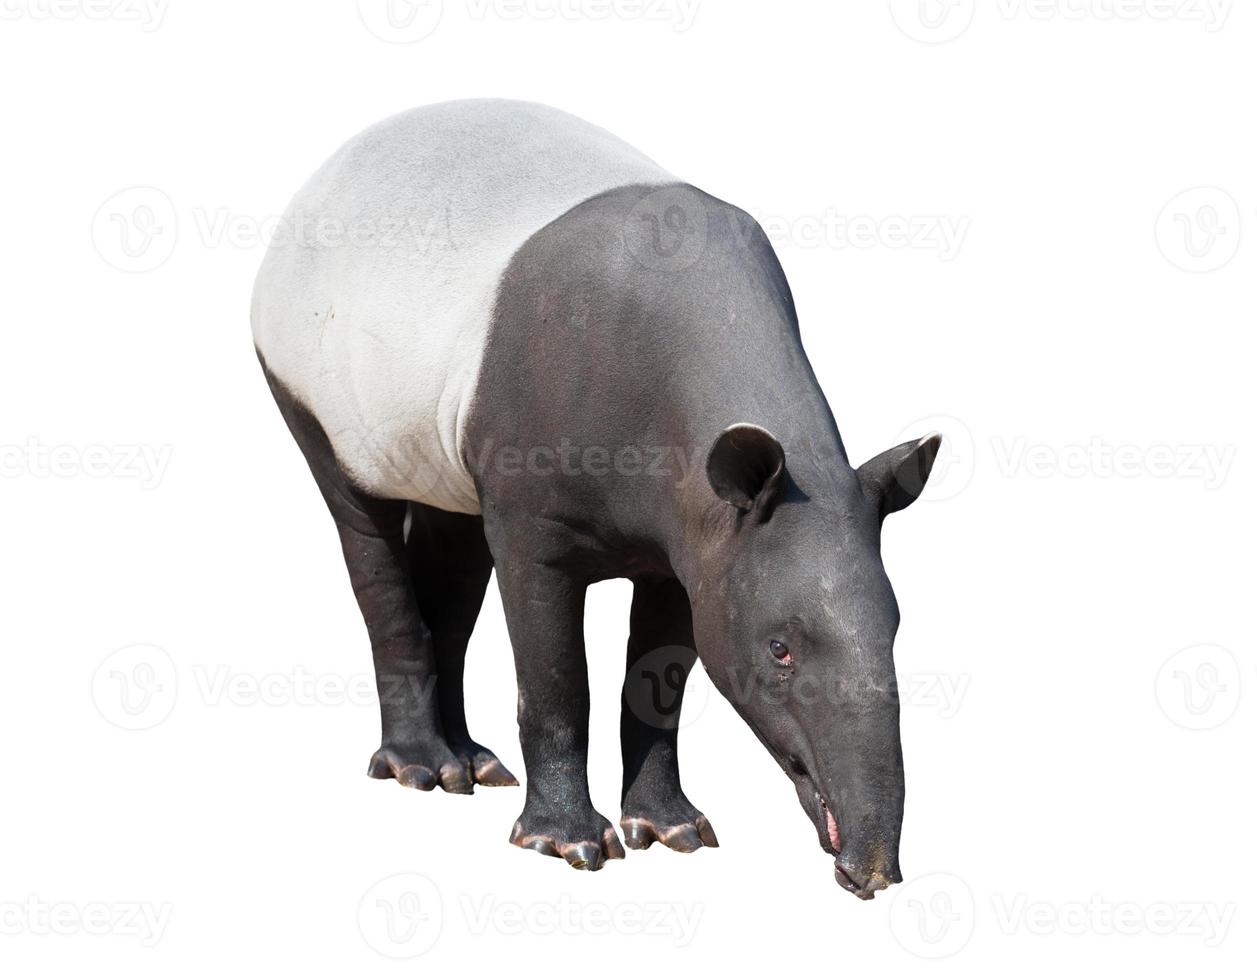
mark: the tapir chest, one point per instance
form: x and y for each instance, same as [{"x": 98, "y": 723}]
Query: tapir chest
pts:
[{"x": 375, "y": 302}]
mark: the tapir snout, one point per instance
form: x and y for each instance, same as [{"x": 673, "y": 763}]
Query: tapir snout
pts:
[{"x": 858, "y": 812}]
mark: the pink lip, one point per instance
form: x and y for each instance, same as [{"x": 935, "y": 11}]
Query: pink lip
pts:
[{"x": 831, "y": 825}]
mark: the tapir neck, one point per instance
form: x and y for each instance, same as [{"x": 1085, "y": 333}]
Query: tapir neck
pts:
[
  {"x": 724, "y": 348},
  {"x": 757, "y": 373}
]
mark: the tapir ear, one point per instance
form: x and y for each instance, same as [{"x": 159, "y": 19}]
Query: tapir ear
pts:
[
  {"x": 896, "y": 477},
  {"x": 747, "y": 468}
]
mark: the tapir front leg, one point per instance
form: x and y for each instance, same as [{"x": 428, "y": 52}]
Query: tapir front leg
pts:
[
  {"x": 660, "y": 655},
  {"x": 544, "y": 613}
]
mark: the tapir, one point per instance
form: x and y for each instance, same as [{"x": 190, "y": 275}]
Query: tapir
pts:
[{"x": 508, "y": 342}]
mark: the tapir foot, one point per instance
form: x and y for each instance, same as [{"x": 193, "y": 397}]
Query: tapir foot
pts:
[
  {"x": 677, "y": 826},
  {"x": 456, "y": 767},
  {"x": 585, "y": 841},
  {"x": 486, "y": 768}
]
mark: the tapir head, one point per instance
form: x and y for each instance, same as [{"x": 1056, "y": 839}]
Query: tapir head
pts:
[{"x": 795, "y": 623}]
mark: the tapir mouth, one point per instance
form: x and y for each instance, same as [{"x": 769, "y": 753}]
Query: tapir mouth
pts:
[
  {"x": 830, "y": 824},
  {"x": 847, "y": 877}
]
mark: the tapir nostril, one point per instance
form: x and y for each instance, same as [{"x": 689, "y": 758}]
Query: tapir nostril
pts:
[{"x": 858, "y": 883}]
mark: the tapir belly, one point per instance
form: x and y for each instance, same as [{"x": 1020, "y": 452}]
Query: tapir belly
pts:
[{"x": 374, "y": 302}]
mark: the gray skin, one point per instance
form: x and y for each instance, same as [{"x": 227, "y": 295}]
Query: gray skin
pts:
[{"x": 645, "y": 321}]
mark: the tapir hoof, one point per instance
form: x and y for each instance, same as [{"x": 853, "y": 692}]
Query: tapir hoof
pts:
[
  {"x": 640, "y": 833},
  {"x": 584, "y": 852},
  {"x": 486, "y": 768},
  {"x": 455, "y": 768}
]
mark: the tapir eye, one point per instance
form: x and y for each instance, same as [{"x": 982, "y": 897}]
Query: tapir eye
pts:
[{"x": 780, "y": 652}]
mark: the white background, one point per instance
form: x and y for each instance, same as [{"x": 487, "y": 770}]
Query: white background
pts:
[{"x": 1079, "y": 797}]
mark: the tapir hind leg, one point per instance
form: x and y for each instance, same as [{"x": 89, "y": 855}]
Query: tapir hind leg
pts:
[
  {"x": 660, "y": 655},
  {"x": 413, "y": 748},
  {"x": 450, "y": 567}
]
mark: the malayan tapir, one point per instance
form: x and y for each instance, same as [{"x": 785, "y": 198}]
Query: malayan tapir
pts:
[{"x": 507, "y": 341}]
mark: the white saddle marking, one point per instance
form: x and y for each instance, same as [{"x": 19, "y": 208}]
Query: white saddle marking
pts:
[{"x": 373, "y": 305}]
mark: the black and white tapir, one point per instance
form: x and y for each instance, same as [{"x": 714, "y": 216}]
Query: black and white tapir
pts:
[{"x": 506, "y": 340}]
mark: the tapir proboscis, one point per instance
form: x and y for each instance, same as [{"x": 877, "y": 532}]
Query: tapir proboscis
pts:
[{"x": 507, "y": 341}]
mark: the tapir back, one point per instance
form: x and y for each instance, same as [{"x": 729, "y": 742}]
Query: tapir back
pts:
[{"x": 374, "y": 303}]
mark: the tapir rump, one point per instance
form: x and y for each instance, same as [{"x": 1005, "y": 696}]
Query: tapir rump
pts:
[{"x": 493, "y": 315}]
